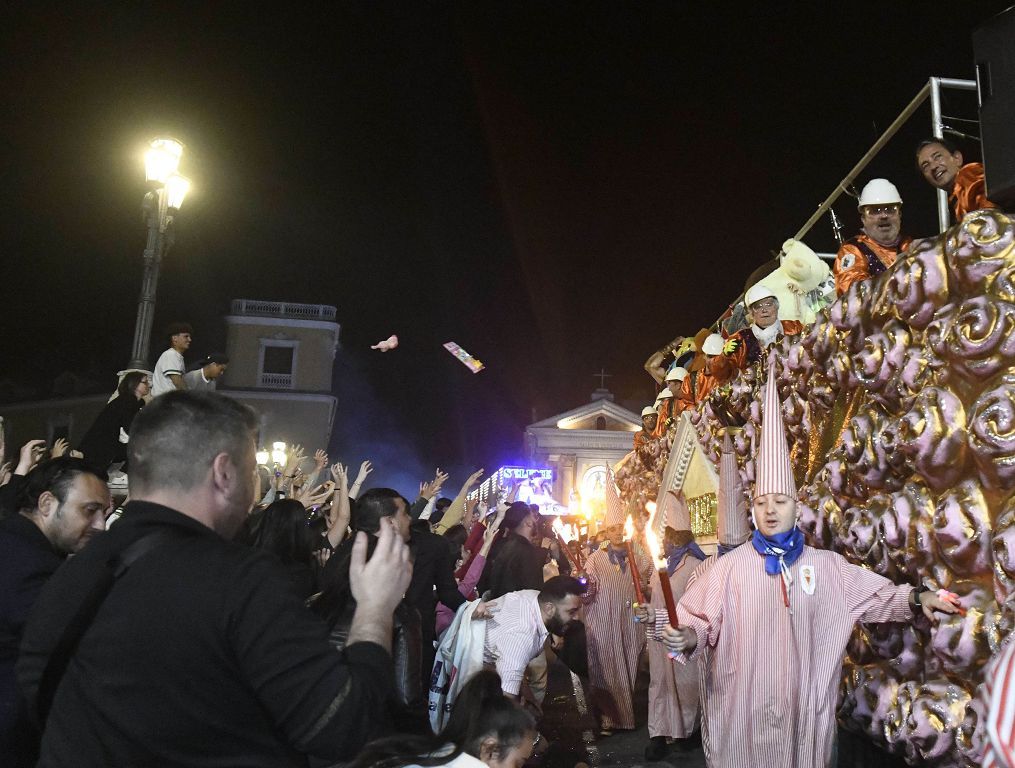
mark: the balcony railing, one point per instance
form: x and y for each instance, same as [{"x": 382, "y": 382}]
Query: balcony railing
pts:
[
  {"x": 250, "y": 307},
  {"x": 275, "y": 381}
]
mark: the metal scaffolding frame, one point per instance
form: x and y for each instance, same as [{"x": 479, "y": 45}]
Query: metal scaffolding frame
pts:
[{"x": 931, "y": 88}]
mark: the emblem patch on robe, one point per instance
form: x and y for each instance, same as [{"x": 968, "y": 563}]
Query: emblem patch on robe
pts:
[
  {"x": 847, "y": 261},
  {"x": 807, "y": 579}
]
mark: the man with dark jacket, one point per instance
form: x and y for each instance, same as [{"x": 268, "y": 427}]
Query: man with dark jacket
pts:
[
  {"x": 62, "y": 504},
  {"x": 516, "y": 563},
  {"x": 199, "y": 653},
  {"x": 433, "y": 580}
]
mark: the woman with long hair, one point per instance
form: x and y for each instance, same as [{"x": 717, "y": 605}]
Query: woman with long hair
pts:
[
  {"x": 485, "y": 729},
  {"x": 283, "y": 528},
  {"x": 105, "y": 441}
]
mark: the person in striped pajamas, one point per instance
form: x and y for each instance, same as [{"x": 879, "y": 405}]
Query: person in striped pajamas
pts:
[
  {"x": 776, "y": 617},
  {"x": 1000, "y": 679},
  {"x": 615, "y": 640},
  {"x": 673, "y": 690},
  {"x": 733, "y": 529}
]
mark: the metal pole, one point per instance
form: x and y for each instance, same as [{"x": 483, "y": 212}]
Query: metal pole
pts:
[
  {"x": 149, "y": 282},
  {"x": 864, "y": 161},
  {"x": 937, "y": 129}
]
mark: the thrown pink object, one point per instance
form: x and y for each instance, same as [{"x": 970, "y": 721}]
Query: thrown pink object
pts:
[{"x": 387, "y": 345}]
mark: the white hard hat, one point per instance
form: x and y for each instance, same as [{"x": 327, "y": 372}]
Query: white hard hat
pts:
[
  {"x": 879, "y": 192},
  {"x": 757, "y": 292},
  {"x": 677, "y": 373},
  {"x": 663, "y": 394},
  {"x": 648, "y": 410},
  {"x": 713, "y": 344}
]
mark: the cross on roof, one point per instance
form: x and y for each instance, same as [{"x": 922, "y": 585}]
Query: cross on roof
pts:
[{"x": 602, "y": 376}]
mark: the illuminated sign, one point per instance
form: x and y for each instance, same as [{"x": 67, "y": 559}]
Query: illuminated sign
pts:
[{"x": 533, "y": 485}]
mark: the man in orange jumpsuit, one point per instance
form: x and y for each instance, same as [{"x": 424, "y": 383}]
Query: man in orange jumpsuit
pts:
[
  {"x": 940, "y": 162},
  {"x": 879, "y": 243},
  {"x": 668, "y": 402},
  {"x": 699, "y": 385},
  {"x": 747, "y": 345},
  {"x": 649, "y": 419}
]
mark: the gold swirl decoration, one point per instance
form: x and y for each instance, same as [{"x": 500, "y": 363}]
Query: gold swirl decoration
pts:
[{"x": 900, "y": 408}]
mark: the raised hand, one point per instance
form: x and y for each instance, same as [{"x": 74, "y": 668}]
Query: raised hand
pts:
[
  {"x": 294, "y": 457},
  {"x": 320, "y": 459},
  {"x": 316, "y": 496},
  {"x": 31, "y": 454},
  {"x": 364, "y": 469},
  {"x": 59, "y": 448},
  {"x": 5, "y": 473},
  {"x": 473, "y": 479},
  {"x": 338, "y": 470}
]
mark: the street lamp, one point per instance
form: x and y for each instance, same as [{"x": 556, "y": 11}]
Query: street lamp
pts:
[{"x": 159, "y": 206}]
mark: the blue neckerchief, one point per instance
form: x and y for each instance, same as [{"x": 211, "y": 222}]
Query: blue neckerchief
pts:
[
  {"x": 675, "y": 554},
  {"x": 618, "y": 557},
  {"x": 780, "y": 551}
]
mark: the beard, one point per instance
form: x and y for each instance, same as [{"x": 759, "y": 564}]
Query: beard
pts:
[{"x": 557, "y": 625}]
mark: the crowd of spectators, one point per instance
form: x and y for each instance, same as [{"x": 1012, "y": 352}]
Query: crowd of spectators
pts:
[
  {"x": 224, "y": 615},
  {"x": 289, "y": 613}
]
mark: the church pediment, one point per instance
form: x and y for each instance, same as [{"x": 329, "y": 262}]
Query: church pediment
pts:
[{"x": 597, "y": 415}]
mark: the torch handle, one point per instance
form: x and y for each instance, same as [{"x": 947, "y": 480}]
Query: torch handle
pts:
[
  {"x": 664, "y": 584},
  {"x": 567, "y": 552},
  {"x": 635, "y": 576}
]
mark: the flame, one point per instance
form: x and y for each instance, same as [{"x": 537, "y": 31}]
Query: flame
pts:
[
  {"x": 629, "y": 529},
  {"x": 566, "y": 532},
  {"x": 652, "y": 539},
  {"x": 650, "y": 507}
]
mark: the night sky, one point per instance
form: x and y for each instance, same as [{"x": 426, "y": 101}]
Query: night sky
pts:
[{"x": 558, "y": 187}]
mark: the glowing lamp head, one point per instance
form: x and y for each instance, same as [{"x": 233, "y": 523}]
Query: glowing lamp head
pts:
[
  {"x": 176, "y": 189},
  {"x": 278, "y": 452},
  {"x": 162, "y": 159},
  {"x": 629, "y": 528},
  {"x": 262, "y": 457}
]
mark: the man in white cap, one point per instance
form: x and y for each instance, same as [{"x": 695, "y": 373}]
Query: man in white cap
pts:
[
  {"x": 880, "y": 241},
  {"x": 746, "y": 346},
  {"x": 673, "y": 688},
  {"x": 615, "y": 641},
  {"x": 716, "y": 371},
  {"x": 777, "y": 616}
]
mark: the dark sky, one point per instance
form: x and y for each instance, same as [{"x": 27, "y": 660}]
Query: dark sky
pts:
[{"x": 558, "y": 187}]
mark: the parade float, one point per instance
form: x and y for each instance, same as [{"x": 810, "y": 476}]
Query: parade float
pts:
[{"x": 899, "y": 404}]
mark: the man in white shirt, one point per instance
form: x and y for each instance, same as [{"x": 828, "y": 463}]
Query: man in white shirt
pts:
[
  {"x": 170, "y": 368},
  {"x": 206, "y": 375},
  {"x": 519, "y": 623}
]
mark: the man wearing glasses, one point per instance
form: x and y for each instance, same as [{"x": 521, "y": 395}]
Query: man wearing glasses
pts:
[
  {"x": 880, "y": 241},
  {"x": 747, "y": 345}
]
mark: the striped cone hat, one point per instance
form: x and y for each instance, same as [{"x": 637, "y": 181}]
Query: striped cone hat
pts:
[
  {"x": 773, "y": 470},
  {"x": 614, "y": 508},
  {"x": 676, "y": 515},
  {"x": 733, "y": 528}
]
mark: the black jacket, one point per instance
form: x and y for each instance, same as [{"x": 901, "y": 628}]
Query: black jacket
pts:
[
  {"x": 433, "y": 576},
  {"x": 518, "y": 564},
  {"x": 200, "y": 655},
  {"x": 101, "y": 444},
  {"x": 27, "y": 561}
]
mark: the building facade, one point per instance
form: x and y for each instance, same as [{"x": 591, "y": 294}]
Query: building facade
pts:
[
  {"x": 281, "y": 358},
  {"x": 580, "y": 445}
]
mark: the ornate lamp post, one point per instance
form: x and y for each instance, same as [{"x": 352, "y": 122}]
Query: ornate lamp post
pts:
[{"x": 160, "y": 205}]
